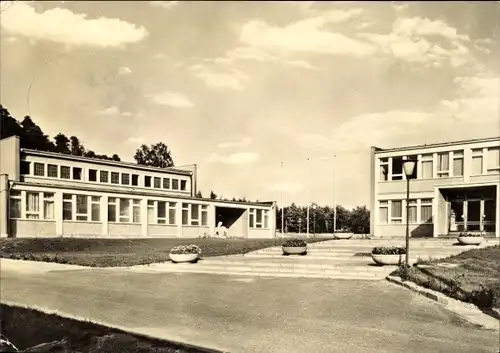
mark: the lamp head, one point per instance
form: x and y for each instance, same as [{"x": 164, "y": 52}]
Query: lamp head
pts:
[{"x": 409, "y": 166}]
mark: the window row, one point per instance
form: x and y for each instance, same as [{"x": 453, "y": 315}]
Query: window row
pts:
[
  {"x": 258, "y": 218},
  {"x": 447, "y": 164},
  {"x": 392, "y": 211},
  {"x": 101, "y": 176}
]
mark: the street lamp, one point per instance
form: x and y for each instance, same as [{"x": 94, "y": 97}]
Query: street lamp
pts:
[
  {"x": 314, "y": 206},
  {"x": 408, "y": 168}
]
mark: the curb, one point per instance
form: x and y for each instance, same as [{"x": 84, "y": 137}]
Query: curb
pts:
[
  {"x": 137, "y": 333},
  {"x": 436, "y": 296}
]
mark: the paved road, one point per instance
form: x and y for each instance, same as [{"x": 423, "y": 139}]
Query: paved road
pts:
[{"x": 254, "y": 314}]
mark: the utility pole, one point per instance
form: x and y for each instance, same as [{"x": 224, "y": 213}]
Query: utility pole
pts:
[
  {"x": 309, "y": 194},
  {"x": 282, "y": 204},
  {"x": 334, "y": 196}
]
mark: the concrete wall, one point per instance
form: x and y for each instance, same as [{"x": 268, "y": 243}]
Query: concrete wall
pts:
[
  {"x": 32, "y": 228},
  {"x": 71, "y": 228},
  {"x": 9, "y": 157},
  {"x": 4, "y": 206},
  {"x": 399, "y": 230},
  {"x": 162, "y": 231}
]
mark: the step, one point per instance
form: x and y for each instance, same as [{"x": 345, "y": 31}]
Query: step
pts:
[{"x": 293, "y": 266}]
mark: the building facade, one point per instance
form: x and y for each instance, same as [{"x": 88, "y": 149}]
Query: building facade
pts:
[
  {"x": 44, "y": 194},
  {"x": 455, "y": 187}
]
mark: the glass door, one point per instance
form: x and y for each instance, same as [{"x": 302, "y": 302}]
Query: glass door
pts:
[
  {"x": 473, "y": 221},
  {"x": 489, "y": 216}
]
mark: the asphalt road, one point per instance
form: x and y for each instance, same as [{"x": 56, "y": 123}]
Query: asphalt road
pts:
[{"x": 245, "y": 314}]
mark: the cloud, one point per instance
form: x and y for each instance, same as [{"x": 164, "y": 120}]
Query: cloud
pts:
[
  {"x": 113, "y": 110},
  {"x": 243, "y": 142},
  {"x": 63, "y": 26},
  {"x": 415, "y": 40},
  {"x": 124, "y": 71},
  {"x": 134, "y": 140},
  {"x": 306, "y": 36},
  {"x": 286, "y": 187},
  {"x": 235, "y": 158},
  {"x": 315, "y": 141},
  {"x": 172, "y": 99},
  {"x": 220, "y": 78},
  {"x": 164, "y": 4}
]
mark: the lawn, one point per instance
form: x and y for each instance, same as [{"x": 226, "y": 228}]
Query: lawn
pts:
[
  {"x": 122, "y": 252},
  {"x": 472, "y": 276},
  {"x": 26, "y": 328}
]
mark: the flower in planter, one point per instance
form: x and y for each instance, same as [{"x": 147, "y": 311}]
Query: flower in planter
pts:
[
  {"x": 293, "y": 243},
  {"x": 389, "y": 250},
  {"x": 186, "y": 249},
  {"x": 472, "y": 234}
]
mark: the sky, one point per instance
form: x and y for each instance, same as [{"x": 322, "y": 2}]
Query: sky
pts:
[{"x": 260, "y": 95}]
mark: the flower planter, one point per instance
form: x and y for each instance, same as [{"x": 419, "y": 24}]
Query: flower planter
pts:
[
  {"x": 464, "y": 240},
  {"x": 294, "y": 250},
  {"x": 343, "y": 235},
  {"x": 388, "y": 259},
  {"x": 175, "y": 258}
]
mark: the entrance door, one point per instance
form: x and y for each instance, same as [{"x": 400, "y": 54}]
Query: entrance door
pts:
[
  {"x": 474, "y": 215},
  {"x": 457, "y": 216},
  {"x": 489, "y": 217}
]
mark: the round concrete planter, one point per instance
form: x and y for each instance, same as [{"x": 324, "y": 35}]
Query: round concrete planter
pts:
[
  {"x": 470, "y": 240},
  {"x": 294, "y": 250},
  {"x": 388, "y": 259},
  {"x": 343, "y": 235},
  {"x": 175, "y": 258}
]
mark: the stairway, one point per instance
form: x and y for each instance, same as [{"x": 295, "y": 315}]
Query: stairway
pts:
[{"x": 337, "y": 259}]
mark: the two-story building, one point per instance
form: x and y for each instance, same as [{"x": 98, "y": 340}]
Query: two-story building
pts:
[
  {"x": 455, "y": 187},
  {"x": 45, "y": 194}
]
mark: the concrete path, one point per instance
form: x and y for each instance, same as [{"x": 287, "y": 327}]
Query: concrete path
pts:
[{"x": 252, "y": 314}]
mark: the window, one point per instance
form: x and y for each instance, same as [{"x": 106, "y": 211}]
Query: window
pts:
[
  {"x": 384, "y": 169},
  {"x": 397, "y": 168},
  {"x": 39, "y": 169},
  {"x": 103, "y": 177},
  {"x": 493, "y": 160},
  {"x": 383, "y": 212},
  {"x": 52, "y": 170},
  {"x": 136, "y": 211},
  {"x": 477, "y": 162},
  {"x": 427, "y": 166},
  {"x": 165, "y": 212},
  {"x": 396, "y": 211},
  {"x": 32, "y": 205},
  {"x": 112, "y": 209},
  {"x": 65, "y": 172},
  {"x": 95, "y": 204},
  {"x": 192, "y": 214},
  {"x": 183, "y": 185},
  {"x": 15, "y": 204},
  {"x": 266, "y": 219},
  {"x": 157, "y": 182},
  {"x": 185, "y": 214},
  {"x": 25, "y": 168},
  {"x": 92, "y": 175},
  {"x": 195, "y": 215},
  {"x": 204, "y": 215},
  {"x": 257, "y": 218},
  {"x": 162, "y": 212},
  {"x": 458, "y": 163},
  {"x": 115, "y": 178},
  {"x": 172, "y": 212},
  {"x": 151, "y": 212},
  {"x": 125, "y": 179},
  {"x": 443, "y": 170},
  {"x": 426, "y": 211},
  {"x": 124, "y": 210},
  {"x": 147, "y": 181},
  {"x": 166, "y": 183},
  {"x": 77, "y": 173},
  {"x": 82, "y": 208},
  {"x": 67, "y": 207},
  {"x": 48, "y": 205},
  {"x": 175, "y": 184},
  {"x": 412, "y": 211},
  {"x": 135, "y": 179}
]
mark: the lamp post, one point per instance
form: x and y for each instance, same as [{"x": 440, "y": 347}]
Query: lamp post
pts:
[
  {"x": 314, "y": 206},
  {"x": 408, "y": 167}
]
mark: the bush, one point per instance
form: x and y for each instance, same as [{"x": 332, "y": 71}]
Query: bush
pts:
[
  {"x": 472, "y": 234},
  {"x": 293, "y": 243},
  {"x": 186, "y": 249},
  {"x": 388, "y": 250}
]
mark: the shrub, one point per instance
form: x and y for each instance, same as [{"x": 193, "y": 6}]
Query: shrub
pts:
[
  {"x": 186, "y": 249},
  {"x": 472, "y": 234},
  {"x": 292, "y": 243},
  {"x": 388, "y": 250}
]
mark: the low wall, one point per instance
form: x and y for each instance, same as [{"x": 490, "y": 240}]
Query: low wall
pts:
[{"x": 21, "y": 228}]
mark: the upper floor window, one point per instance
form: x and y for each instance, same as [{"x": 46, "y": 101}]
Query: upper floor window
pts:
[
  {"x": 458, "y": 163},
  {"x": 157, "y": 182},
  {"x": 65, "y": 172},
  {"x": 115, "y": 178},
  {"x": 183, "y": 185},
  {"x": 443, "y": 165},
  {"x": 125, "y": 179},
  {"x": 147, "y": 181},
  {"x": 166, "y": 183},
  {"x": 77, "y": 173},
  {"x": 52, "y": 171},
  {"x": 175, "y": 184},
  {"x": 25, "y": 167},
  {"x": 135, "y": 179},
  {"x": 493, "y": 160},
  {"x": 477, "y": 161},
  {"x": 92, "y": 175},
  {"x": 397, "y": 168},
  {"x": 39, "y": 169},
  {"x": 104, "y": 177},
  {"x": 384, "y": 169},
  {"x": 427, "y": 166}
]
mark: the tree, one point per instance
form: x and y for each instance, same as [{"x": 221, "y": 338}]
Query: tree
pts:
[
  {"x": 359, "y": 220},
  {"x": 213, "y": 195},
  {"x": 8, "y": 125},
  {"x": 157, "y": 155},
  {"x": 77, "y": 148},
  {"x": 90, "y": 154},
  {"x": 61, "y": 144},
  {"x": 199, "y": 195},
  {"x": 116, "y": 158},
  {"x": 33, "y": 136}
]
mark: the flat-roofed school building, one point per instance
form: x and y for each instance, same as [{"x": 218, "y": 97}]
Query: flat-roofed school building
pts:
[
  {"x": 45, "y": 194},
  {"x": 456, "y": 187}
]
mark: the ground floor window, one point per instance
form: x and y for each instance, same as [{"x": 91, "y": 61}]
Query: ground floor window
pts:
[
  {"x": 15, "y": 204},
  {"x": 194, "y": 214},
  {"x": 124, "y": 210},
  {"x": 391, "y": 211},
  {"x": 258, "y": 218},
  {"x": 37, "y": 205},
  {"x": 77, "y": 207},
  {"x": 426, "y": 211},
  {"x": 161, "y": 212}
]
